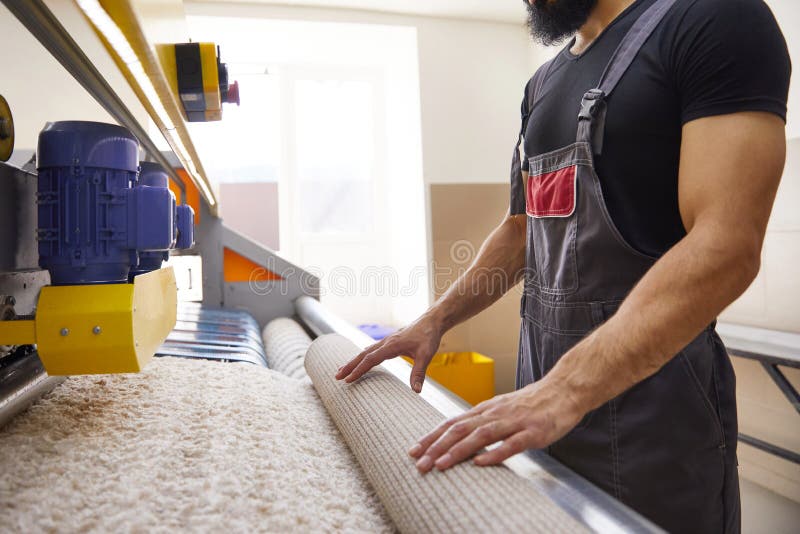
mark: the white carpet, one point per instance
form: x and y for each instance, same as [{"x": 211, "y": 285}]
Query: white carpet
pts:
[{"x": 185, "y": 445}]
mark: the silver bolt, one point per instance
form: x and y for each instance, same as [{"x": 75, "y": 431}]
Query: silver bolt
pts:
[
  {"x": 96, "y": 330},
  {"x": 65, "y": 331}
]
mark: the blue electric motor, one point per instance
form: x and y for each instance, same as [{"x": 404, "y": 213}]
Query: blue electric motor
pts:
[
  {"x": 153, "y": 175},
  {"x": 93, "y": 219},
  {"x": 185, "y": 227}
]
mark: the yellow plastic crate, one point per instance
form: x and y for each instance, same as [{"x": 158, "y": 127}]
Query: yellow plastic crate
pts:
[{"x": 470, "y": 375}]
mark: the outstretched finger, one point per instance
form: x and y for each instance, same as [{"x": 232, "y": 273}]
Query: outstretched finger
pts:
[
  {"x": 515, "y": 444},
  {"x": 445, "y": 440},
  {"x": 487, "y": 433},
  {"x": 418, "y": 374},
  {"x": 347, "y": 368},
  {"x": 428, "y": 439},
  {"x": 369, "y": 361}
]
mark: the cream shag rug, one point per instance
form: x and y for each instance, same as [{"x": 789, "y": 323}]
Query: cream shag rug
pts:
[{"x": 186, "y": 445}]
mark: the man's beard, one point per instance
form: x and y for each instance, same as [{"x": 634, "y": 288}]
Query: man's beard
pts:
[{"x": 551, "y": 21}]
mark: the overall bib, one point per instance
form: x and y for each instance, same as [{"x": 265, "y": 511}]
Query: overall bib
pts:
[{"x": 667, "y": 446}]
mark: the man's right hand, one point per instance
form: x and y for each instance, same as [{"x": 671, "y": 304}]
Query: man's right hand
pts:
[
  {"x": 418, "y": 341},
  {"x": 503, "y": 250}
]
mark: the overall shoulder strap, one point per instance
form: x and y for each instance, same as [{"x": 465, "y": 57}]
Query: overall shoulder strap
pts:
[
  {"x": 591, "y": 118},
  {"x": 534, "y": 88}
]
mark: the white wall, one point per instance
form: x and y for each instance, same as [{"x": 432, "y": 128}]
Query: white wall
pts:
[
  {"x": 472, "y": 78},
  {"x": 39, "y": 89}
]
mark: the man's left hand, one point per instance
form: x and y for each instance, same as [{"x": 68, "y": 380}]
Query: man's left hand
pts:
[{"x": 531, "y": 418}]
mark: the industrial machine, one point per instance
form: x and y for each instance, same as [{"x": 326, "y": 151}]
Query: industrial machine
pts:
[
  {"x": 103, "y": 231},
  {"x": 85, "y": 233}
]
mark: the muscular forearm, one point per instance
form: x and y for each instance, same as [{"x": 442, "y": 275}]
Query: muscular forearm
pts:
[
  {"x": 498, "y": 266},
  {"x": 496, "y": 269},
  {"x": 674, "y": 301}
]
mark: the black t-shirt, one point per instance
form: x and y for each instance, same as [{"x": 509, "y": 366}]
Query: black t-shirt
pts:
[{"x": 707, "y": 57}]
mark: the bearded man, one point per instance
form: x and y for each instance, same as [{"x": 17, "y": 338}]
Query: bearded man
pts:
[{"x": 647, "y": 164}]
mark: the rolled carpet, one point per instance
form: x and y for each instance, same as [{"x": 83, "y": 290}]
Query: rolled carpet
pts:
[
  {"x": 186, "y": 445},
  {"x": 380, "y": 418},
  {"x": 285, "y": 346}
]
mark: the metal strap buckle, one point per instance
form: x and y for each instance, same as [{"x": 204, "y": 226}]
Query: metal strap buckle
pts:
[{"x": 591, "y": 103}]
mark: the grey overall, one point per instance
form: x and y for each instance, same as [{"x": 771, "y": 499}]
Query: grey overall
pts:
[{"x": 667, "y": 446}]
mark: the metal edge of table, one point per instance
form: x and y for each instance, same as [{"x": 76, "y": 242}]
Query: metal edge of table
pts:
[{"x": 772, "y": 346}]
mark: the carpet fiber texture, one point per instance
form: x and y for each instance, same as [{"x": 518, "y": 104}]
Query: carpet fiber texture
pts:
[
  {"x": 185, "y": 445},
  {"x": 285, "y": 345},
  {"x": 380, "y": 418}
]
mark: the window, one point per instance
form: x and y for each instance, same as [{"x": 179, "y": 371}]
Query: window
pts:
[
  {"x": 334, "y": 131},
  {"x": 335, "y": 145}
]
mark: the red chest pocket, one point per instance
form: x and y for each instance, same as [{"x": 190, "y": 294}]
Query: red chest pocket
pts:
[{"x": 551, "y": 194}]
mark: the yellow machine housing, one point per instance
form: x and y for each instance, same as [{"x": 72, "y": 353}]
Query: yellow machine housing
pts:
[{"x": 99, "y": 329}]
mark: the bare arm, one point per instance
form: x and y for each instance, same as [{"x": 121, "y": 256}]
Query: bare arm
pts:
[
  {"x": 729, "y": 173},
  {"x": 497, "y": 267}
]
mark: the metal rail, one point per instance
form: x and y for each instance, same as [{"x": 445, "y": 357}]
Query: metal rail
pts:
[
  {"x": 765, "y": 446},
  {"x": 43, "y": 25},
  {"x": 783, "y": 384},
  {"x": 781, "y": 348},
  {"x": 574, "y": 494}
]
